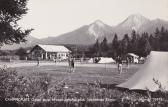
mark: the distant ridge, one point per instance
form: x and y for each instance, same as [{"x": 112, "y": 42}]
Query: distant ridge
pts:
[{"x": 88, "y": 34}]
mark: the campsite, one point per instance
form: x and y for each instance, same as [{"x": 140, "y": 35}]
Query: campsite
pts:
[
  {"x": 90, "y": 80},
  {"x": 83, "y": 53},
  {"x": 93, "y": 77},
  {"x": 58, "y": 74}
]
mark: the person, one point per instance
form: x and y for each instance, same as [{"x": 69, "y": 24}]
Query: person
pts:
[
  {"x": 119, "y": 65},
  {"x": 127, "y": 62},
  {"x": 69, "y": 63},
  {"x": 55, "y": 60},
  {"x": 117, "y": 60},
  {"x": 97, "y": 60},
  {"x": 81, "y": 60},
  {"x": 73, "y": 64},
  {"x": 38, "y": 61}
]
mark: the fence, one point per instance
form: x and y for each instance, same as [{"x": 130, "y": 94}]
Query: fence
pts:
[{"x": 9, "y": 58}]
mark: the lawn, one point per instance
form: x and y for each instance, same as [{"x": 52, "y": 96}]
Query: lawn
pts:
[
  {"x": 89, "y": 81},
  {"x": 106, "y": 74}
]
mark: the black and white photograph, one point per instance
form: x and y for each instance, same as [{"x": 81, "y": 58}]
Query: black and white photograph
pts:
[{"x": 83, "y": 53}]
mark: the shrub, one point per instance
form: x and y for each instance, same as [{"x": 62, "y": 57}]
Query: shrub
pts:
[{"x": 40, "y": 86}]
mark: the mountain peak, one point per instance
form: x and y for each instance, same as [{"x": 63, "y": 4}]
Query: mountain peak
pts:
[
  {"x": 137, "y": 15},
  {"x": 98, "y": 23},
  {"x": 134, "y": 21},
  {"x": 97, "y": 28}
]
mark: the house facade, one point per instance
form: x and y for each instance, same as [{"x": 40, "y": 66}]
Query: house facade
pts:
[{"x": 49, "y": 52}]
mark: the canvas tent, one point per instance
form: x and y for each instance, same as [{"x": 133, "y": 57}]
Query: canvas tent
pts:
[
  {"x": 106, "y": 60},
  {"x": 155, "y": 68},
  {"x": 91, "y": 60}
]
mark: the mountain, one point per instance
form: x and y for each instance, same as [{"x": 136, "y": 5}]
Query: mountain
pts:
[
  {"x": 85, "y": 35},
  {"x": 88, "y": 34},
  {"x": 98, "y": 30},
  {"x": 78, "y": 36},
  {"x": 150, "y": 27},
  {"x": 133, "y": 22}
]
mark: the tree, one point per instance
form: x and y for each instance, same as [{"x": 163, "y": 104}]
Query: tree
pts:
[
  {"x": 157, "y": 32},
  {"x": 119, "y": 50},
  {"x": 152, "y": 42},
  {"x": 104, "y": 45},
  {"x": 163, "y": 39},
  {"x": 11, "y": 11},
  {"x": 125, "y": 44},
  {"x": 115, "y": 44},
  {"x": 162, "y": 31},
  {"x": 144, "y": 47},
  {"x": 22, "y": 53},
  {"x": 95, "y": 49},
  {"x": 157, "y": 39},
  {"x": 134, "y": 42}
]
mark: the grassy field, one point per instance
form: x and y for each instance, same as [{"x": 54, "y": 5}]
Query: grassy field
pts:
[
  {"x": 89, "y": 81},
  {"x": 83, "y": 74}
]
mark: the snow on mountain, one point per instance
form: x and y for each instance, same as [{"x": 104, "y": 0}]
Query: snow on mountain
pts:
[
  {"x": 98, "y": 29},
  {"x": 134, "y": 22},
  {"x": 95, "y": 29},
  {"x": 99, "y": 23}
]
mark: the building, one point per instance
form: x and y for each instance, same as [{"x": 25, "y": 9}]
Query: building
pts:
[
  {"x": 49, "y": 52},
  {"x": 133, "y": 57}
]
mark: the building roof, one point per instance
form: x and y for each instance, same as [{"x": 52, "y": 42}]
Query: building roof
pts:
[
  {"x": 134, "y": 55},
  {"x": 54, "y": 48}
]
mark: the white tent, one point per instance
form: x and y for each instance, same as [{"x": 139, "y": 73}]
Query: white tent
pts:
[
  {"x": 106, "y": 60},
  {"x": 91, "y": 60},
  {"x": 155, "y": 68}
]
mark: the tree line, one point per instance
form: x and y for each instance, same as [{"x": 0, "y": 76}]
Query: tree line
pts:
[{"x": 140, "y": 44}]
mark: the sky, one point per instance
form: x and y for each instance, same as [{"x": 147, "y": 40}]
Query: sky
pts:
[{"x": 54, "y": 17}]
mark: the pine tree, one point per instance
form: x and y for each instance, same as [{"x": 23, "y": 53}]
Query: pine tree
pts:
[
  {"x": 163, "y": 40},
  {"x": 125, "y": 44},
  {"x": 134, "y": 42},
  {"x": 11, "y": 11},
  {"x": 152, "y": 42},
  {"x": 157, "y": 40},
  {"x": 120, "y": 49},
  {"x": 95, "y": 49},
  {"x": 157, "y": 32},
  {"x": 104, "y": 45},
  {"x": 115, "y": 44},
  {"x": 144, "y": 47}
]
